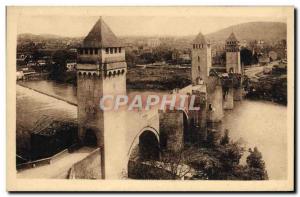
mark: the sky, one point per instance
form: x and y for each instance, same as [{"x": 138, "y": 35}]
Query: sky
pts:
[{"x": 75, "y": 26}]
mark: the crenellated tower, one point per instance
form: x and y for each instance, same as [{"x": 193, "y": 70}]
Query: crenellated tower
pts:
[
  {"x": 234, "y": 69},
  {"x": 205, "y": 85},
  {"x": 233, "y": 58},
  {"x": 101, "y": 71}
]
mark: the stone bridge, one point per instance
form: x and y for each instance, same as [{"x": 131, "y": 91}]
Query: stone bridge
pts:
[{"x": 124, "y": 135}]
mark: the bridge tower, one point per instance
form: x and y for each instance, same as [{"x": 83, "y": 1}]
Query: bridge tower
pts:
[
  {"x": 233, "y": 66},
  {"x": 233, "y": 58},
  {"x": 201, "y": 59},
  {"x": 212, "y": 109},
  {"x": 101, "y": 71}
]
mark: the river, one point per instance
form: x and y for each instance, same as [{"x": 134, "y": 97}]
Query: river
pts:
[{"x": 255, "y": 123}]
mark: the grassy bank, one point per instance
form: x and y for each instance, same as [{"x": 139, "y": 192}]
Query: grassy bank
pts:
[
  {"x": 160, "y": 78},
  {"x": 271, "y": 87}
]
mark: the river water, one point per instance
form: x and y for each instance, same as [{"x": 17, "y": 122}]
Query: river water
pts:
[{"x": 254, "y": 123}]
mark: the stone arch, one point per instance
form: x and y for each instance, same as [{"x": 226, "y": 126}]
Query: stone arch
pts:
[
  {"x": 187, "y": 132},
  {"x": 148, "y": 146},
  {"x": 90, "y": 137},
  {"x": 146, "y": 133}
]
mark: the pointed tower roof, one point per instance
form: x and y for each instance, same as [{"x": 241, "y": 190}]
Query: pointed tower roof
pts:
[
  {"x": 200, "y": 39},
  {"x": 101, "y": 36},
  {"x": 232, "y": 37}
]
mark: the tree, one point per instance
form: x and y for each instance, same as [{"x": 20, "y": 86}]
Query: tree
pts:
[
  {"x": 206, "y": 166},
  {"x": 254, "y": 58},
  {"x": 147, "y": 58},
  {"x": 225, "y": 139},
  {"x": 246, "y": 56},
  {"x": 131, "y": 58},
  {"x": 175, "y": 163},
  {"x": 256, "y": 165},
  {"x": 229, "y": 156},
  {"x": 58, "y": 69}
]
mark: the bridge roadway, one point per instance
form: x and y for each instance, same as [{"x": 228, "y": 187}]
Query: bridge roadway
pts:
[{"x": 58, "y": 168}]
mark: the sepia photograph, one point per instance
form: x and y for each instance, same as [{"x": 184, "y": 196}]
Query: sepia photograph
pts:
[{"x": 150, "y": 98}]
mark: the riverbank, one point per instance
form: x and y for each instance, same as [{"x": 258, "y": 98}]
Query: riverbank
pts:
[
  {"x": 34, "y": 106},
  {"x": 160, "y": 78},
  {"x": 25, "y": 85},
  {"x": 267, "y": 83}
]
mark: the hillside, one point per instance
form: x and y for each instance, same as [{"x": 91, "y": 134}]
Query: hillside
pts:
[
  {"x": 34, "y": 37},
  {"x": 267, "y": 31}
]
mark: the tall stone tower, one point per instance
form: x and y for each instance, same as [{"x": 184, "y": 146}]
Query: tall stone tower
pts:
[
  {"x": 233, "y": 58},
  {"x": 101, "y": 71},
  {"x": 201, "y": 59},
  {"x": 233, "y": 66},
  {"x": 204, "y": 85}
]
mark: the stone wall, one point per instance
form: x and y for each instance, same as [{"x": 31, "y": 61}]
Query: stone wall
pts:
[
  {"x": 89, "y": 91},
  {"x": 88, "y": 168},
  {"x": 233, "y": 60},
  {"x": 228, "y": 99},
  {"x": 214, "y": 100},
  {"x": 171, "y": 130},
  {"x": 238, "y": 94}
]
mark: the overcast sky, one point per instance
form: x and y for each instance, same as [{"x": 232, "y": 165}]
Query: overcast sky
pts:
[{"x": 74, "y": 26}]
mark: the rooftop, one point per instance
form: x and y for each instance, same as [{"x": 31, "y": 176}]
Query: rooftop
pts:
[
  {"x": 232, "y": 37},
  {"x": 200, "y": 39},
  {"x": 101, "y": 36}
]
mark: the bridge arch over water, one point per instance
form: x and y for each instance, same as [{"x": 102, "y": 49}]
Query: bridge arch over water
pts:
[{"x": 145, "y": 144}]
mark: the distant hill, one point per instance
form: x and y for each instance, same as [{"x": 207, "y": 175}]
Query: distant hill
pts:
[
  {"x": 29, "y": 36},
  {"x": 267, "y": 31}
]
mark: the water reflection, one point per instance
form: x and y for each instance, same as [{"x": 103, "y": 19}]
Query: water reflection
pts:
[{"x": 262, "y": 124}]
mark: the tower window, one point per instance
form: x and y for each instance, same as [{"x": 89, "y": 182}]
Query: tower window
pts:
[
  {"x": 199, "y": 68},
  {"x": 198, "y": 58},
  {"x": 96, "y": 51},
  {"x": 111, "y": 50},
  {"x": 86, "y": 51},
  {"x": 91, "y": 51},
  {"x": 80, "y": 51},
  {"x": 115, "y": 50},
  {"x": 107, "y": 50},
  {"x": 120, "y": 49}
]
